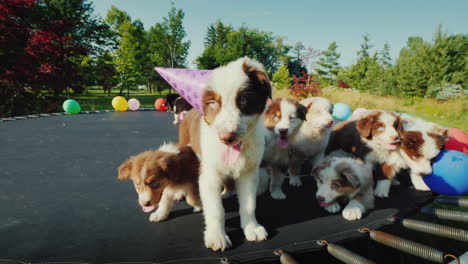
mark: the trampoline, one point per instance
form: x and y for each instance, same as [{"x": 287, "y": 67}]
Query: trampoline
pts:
[{"x": 62, "y": 202}]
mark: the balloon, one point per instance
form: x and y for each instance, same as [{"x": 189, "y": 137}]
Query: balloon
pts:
[
  {"x": 160, "y": 104},
  {"x": 358, "y": 112},
  {"x": 71, "y": 106},
  {"x": 449, "y": 173},
  {"x": 457, "y": 140},
  {"x": 189, "y": 83},
  {"x": 119, "y": 103},
  {"x": 133, "y": 104},
  {"x": 341, "y": 111}
]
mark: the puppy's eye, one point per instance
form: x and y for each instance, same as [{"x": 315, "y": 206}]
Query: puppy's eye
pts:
[
  {"x": 243, "y": 101},
  {"x": 154, "y": 184},
  {"x": 292, "y": 118},
  {"x": 212, "y": 103},
  {"x": 275, "y": 118},
  {"x": 334, "y": 186}
]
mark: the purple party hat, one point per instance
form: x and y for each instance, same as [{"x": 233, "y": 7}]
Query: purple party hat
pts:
[{"x": 189, "y": 83}]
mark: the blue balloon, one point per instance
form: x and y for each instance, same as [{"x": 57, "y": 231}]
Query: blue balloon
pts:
[
  {"x": 341, "y": 111},
  {"x": 449, "y": 173}
]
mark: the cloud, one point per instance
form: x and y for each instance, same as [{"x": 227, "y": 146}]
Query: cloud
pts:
[{"x": 252, "y": 14}]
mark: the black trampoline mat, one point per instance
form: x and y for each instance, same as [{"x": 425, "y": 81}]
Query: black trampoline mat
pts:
[{"x": 60, "y": 199}]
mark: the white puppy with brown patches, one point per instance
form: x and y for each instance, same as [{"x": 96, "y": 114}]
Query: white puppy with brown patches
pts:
[
  {"x": 340, "y": 178},
  {"x": 282, "y": 120},
  {"x": 312, "y": 137},
  {"x": 421, "y": 142},
  {"x": 231, "y": 139}
]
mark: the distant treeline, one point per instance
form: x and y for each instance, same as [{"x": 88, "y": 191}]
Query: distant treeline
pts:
[{"x": 51, "y": 46}]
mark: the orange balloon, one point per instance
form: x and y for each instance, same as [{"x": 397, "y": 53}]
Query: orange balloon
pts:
[{"x": 458, "y": 140}]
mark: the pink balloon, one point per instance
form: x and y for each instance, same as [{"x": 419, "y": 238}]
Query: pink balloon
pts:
[
  {"x": 359, "y": 111},
  {"x": 133, "y": 104},
  {"x": 458, "y": 140}
]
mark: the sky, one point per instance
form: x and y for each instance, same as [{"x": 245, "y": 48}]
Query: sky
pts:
[{"x": 315, "y": 23}]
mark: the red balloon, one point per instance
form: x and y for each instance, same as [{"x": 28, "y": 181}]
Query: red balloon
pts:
[
  {"x": 160, "y": 104},
  {"x": 458, "y": 140}
]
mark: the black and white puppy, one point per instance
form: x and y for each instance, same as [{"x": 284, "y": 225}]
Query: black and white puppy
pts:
[{"x": 170, "y": 99}]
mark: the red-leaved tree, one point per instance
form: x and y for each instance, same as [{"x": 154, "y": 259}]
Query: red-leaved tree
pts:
[{"x": 305, "y": 86}]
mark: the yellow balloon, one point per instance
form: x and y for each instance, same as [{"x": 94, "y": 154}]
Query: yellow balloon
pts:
[{"x": 119, "y": 103}]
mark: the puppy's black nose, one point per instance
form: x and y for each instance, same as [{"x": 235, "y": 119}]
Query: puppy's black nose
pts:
[
  {"x": 283, "y": 131},
  {"x": 321, "y": 199}
]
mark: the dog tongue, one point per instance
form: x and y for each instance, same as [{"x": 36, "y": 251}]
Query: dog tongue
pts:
[
  {"x": 323, "y": 204},
  {"x": 391, "y": 146},
  {"x": 230, "y": 154},
  {"x": 283, "y": 142},
  {"x": 148, "y": 209}
]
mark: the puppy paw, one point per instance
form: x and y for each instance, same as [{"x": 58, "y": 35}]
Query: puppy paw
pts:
[
  {"x": 255, "y": 233},
  {"x": 382, "y": 189},
  {"x": 419, "y": 183},
  {"x": 158, "y": 216},
  {"x": 217, "y": 240},
  {"x": 333, "y": 208},
  {"x": 353, "y": 211},
  {"x": 295, "y": 181},
  {"x": 278, "y": 195}
]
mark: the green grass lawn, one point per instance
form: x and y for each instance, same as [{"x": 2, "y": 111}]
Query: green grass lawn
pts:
[{"x": 95, "y": 99}]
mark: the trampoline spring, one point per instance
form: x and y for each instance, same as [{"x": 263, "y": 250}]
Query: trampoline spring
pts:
[
  {"x": 410, "y": 247},
  {"x": 463, "y": 202},
  {"x": 285, "y": 257},
  {"x": 346, "y": 255},
  {"x": 446, "y": 214},
  {"x": 435, "y": 229}
]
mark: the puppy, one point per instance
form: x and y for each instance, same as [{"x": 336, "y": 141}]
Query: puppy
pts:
[
  {"x": 374, "y": 139},
  {"x": 346, "y": 178},
  {"x": 421, "y": 142},
  {"x": 282, "y": 120},
  {"x": 170, "y": 99},
  {"x": 312, "y": 137},
  {"x": 181, "y": 107},
  {"x": 230, "y": 138},
  {"x": 163, "y": 176}
]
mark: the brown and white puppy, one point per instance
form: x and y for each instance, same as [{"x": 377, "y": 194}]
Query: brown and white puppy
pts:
[
  {"x": 421, "y": 142},
  {"x": 374, "y": 139},
  {"x": 344, "y": 178},
  {"x": 170, "y": 99},
  {"x": 181, "y": 107},
  {"x": 163, "y": 176},
  {"x": 312, "y": 137},
  {"x": 282, "y": 120},
  {"x": 230, "y": 138}
]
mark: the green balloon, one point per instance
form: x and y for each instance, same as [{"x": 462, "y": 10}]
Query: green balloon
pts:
[{"x": 71, "y": 106}]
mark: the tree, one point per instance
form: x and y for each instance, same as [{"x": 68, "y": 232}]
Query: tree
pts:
[
  {"x": 130, "y": 59},
  {"x": 305, "y": 85},
  {"x": 167, "y": 47},
  {"x": 281, "y": 79},
  {"x": 224, "y": 44},
  {"x": 106, "y": 73},
  {"x": 328, "y": 65}
]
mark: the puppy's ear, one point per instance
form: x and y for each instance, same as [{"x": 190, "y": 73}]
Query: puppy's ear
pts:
[
  {"x": 440, "y": 135},
  {"x": 364, "y": 126},
  {"x": 258, "y": 76},
  {"x": 345, "y": 170},
  {"x": 301, "y": 112},
  {"x": 125, "y": 170}
]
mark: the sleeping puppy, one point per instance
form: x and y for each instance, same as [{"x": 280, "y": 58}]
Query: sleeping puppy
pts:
[
  {"x": 230, "y": 138},
  {"x": 344, "y": 178},
  {"x": 163, "y": 176},
  {"x": 374, "y": 139},
  {"x": 170, "y": 99},
  {"x": 181, "y": 107},
  {"x": 282, "y": 120},
  {"x": 421, "y": 142},
  {"x": 312, "y": 137}
]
